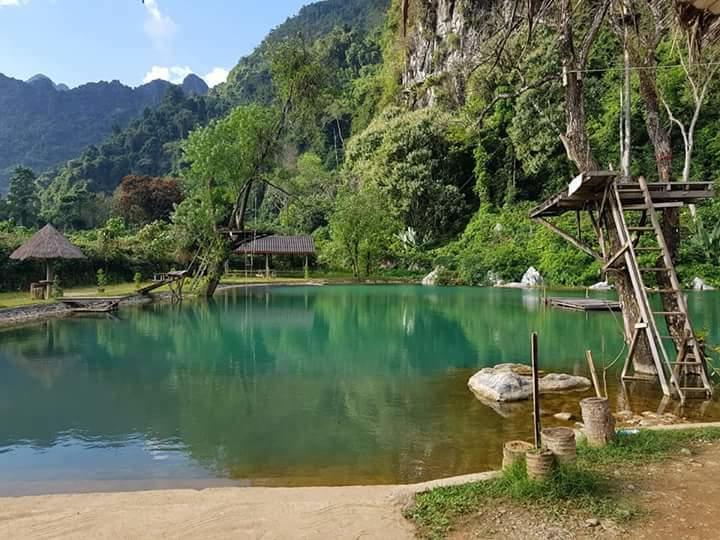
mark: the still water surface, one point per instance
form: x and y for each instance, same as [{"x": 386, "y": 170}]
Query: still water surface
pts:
[{"x": 288, "y": 386}]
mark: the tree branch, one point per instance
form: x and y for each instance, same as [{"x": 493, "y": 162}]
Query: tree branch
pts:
[{"x": 589, "y": 38}]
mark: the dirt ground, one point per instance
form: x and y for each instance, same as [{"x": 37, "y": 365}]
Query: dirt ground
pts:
[{"x": 678, "y": 498}]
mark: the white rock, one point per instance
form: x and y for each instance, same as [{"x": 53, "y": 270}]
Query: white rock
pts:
[
  {"x": 431, "y": 279},
  {"x": 699, "y": 285},
  {"x": 532, "y": 278},
  {"x": 564, "y": 416},
  {"x": 601, "y": 286},
  {"x": 513, "y": 382}
]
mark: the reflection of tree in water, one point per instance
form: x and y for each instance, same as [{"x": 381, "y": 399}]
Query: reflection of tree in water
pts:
[{"x": 339, "y": 384}]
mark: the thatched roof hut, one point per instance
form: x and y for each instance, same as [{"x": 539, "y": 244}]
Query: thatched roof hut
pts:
[{"x": 45, "y": 245}]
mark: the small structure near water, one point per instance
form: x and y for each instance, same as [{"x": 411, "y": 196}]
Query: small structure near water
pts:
[
  {"x": 584, "y": 304},
  {"x": 269, "y": 246},
  {"x": 47, "y": 245}
]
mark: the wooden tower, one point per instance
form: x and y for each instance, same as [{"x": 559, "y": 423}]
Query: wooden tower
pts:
[{"x": 628, "y": 212}]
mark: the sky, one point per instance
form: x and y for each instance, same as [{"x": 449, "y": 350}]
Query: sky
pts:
[{"x": 79, "y": 41}]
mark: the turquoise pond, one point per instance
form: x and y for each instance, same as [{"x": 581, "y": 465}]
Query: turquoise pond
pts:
[{"x": 277, "y": 386}]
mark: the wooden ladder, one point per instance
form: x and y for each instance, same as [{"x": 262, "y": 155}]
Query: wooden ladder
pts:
[{"x": 689, "y": 364}]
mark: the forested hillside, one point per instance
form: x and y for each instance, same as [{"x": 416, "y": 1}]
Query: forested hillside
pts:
[
  {"x": 416, "y": 138},
  {"x": 43, "y": 124}
]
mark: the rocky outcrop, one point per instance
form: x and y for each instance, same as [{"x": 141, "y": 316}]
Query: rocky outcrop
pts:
[
  {"x": 601, "y": 286},
  {"x": 443, "y": 40},
  {"x": 513, "y": 382},
  {"x": 431, "y": 279},
  {"x": 532, "y": 278}
]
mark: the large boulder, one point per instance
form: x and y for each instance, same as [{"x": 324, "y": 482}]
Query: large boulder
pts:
[
  {"x": 513, "y": 382},
  {"x": 699, "y": 285},
  {"x": 532, "y": 278}
]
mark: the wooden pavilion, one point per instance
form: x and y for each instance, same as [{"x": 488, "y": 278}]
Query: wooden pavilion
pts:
[
  {"x": 276, "y": 245},
  {"x": 47, "y": 245},
  {"x": 624, "y": 216}
]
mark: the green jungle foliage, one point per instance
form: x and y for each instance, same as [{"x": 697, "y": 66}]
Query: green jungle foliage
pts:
[{"x": 448, "y": 185}]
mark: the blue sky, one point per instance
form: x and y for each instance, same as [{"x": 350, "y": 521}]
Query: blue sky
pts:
[{"x": 78, "y": 41}]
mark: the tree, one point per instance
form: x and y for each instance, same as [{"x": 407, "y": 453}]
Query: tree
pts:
[
  {"x": 415, "y": 162},
  {"x": 230, "y": 158},
  {"x": 22, "y": 198},
  {"x": 314, "y": 190},
  {"x": 144, "y": 199},
  {"x": 66, "y": 204},
  {"x": 361, "y": 230}
]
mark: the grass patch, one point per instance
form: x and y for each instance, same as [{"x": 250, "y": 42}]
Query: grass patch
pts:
[
  {"x": 571, "y": 489},
  {"x": 647, "y": 445},
  {"x": 586, "y": 488}
]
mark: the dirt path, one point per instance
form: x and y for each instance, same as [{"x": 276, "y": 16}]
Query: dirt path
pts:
[
  {"x": 679, "y": 497},
  {"x": 362, "y": 512}
]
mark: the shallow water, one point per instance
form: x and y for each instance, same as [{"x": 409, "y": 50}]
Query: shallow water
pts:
[{"x": 289, "y": 386}]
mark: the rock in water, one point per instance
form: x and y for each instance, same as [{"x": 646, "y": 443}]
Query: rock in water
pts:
[
  {"x": 431, "y": 279},
  {"x": 699, "y": 285},
  {"x": 532, "y": 278},
  {"x": 602, "y": 286},
  {"x": 513, "y": 382}
]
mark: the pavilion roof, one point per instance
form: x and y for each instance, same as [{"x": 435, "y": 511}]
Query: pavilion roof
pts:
[
  {"x": 47, "y": 243},
  {"x": 279, "y": 245}
]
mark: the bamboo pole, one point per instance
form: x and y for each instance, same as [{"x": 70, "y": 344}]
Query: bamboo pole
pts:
[
  {"x": 535, "y": 388},
  {"x": 593, "y": 373}
]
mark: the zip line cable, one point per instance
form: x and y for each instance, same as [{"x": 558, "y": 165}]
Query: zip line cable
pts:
[{"x": 641, "y": 68}]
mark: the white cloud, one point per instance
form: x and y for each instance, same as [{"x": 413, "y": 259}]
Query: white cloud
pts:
[
  {"x": 12, "y": 2},
  {"x": 217, "y": 76},
  {"x": 177, "y": 74},
  {"x": 158, "y": 26},
  {"x": 173, "y": 74}
]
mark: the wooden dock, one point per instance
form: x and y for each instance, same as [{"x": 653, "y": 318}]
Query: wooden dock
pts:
[{"x": 584, "y": 304}]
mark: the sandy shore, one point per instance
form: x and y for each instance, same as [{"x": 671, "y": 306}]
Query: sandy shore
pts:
[{"x": 217, "y": 513}]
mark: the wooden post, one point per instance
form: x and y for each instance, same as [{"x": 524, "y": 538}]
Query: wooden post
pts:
[
  {"x": 593, "y": 373},
  {"x": 48, "y": 280},
  {"x": 536, "y": 388},
  {"x": 307, "y": 268},
  {"x": 267, "y": 266}
]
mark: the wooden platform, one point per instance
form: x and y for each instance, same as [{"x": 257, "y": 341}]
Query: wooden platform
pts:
[
  {"x": 93, "y": 304},
  {"x": 589, "y": 188},
  {"x": 584, "y": 304}
]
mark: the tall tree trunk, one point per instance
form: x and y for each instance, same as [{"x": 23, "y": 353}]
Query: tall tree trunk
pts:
[
  {"x": 577, "y": 146},
  {"x": 660, "y": 138}
]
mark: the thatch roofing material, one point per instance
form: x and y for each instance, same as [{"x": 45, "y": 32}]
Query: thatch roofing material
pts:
[
  {"x": 279, "y": 245},
  {"x": 47, "y": 243}
]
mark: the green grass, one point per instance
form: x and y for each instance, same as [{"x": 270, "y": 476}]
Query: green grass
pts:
[
  {"x": 19, "y": 299},
  {"x": 647, "y": 445},
  {"x": 586, "y": 488}
]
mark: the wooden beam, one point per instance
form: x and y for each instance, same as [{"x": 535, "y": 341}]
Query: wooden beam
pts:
[{"x": 571, "y": 239}]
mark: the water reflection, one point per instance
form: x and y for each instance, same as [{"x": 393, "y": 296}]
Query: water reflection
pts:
[{"x": 333, "y": 385}]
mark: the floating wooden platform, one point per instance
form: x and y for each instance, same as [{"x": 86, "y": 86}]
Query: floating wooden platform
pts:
[{"x": 584, "y": 304}]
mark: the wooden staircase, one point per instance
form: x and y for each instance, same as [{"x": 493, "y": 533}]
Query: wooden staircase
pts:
[{"x": 685, "y": 372}]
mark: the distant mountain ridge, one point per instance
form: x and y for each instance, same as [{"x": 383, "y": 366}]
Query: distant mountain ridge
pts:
[{"x": 43, "y": 124}]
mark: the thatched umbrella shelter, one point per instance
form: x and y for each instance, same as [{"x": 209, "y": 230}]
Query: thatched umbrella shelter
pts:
[{"x": 47, "y": 245}]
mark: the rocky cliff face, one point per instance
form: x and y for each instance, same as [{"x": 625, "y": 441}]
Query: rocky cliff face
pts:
[{"x": 443, "y": 39}]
